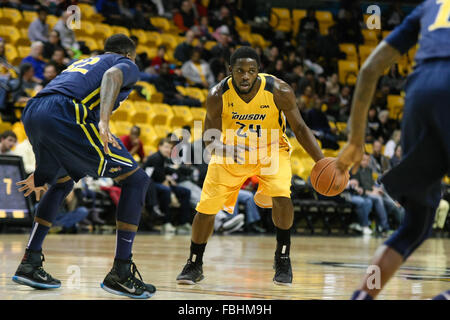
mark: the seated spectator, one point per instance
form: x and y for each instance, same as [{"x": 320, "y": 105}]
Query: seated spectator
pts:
[
  {"x": 294, "y": 77},
  {"x": 53, "y": 42},
  {"x": 378, "y": 162},
  {"x": 159, "y": 59},
  {"x": 38, "y": 29},
  {"x": 185, "y": 18},
  {"x": 333, "y": 86},
  {"x": 8, "y": 140},
  {"x": 441, "y": 215},
  {"x": 394, "y": 80},
  {"x": 226, "y": 224},
  {"x": 397, "y": 157},
  {"x": 317, "y": 121},
  {"x": 328, "y": 48},
  {"x": 374, "y": 194},
  {"x": 27, "y": 85},
  {"x": 133, "y": 143},
  {"x": 70, "y": 215},
  {"x": 165, "y": 184},
  {"x": 197, "y": 71},
  {"x": 59, "y": 60},
  {"x": 219, "y": 67},
  {"x": 50, "y": 73},
  {"x": 373, "y": 125},
  {"x": 309, "y": 27},
  {"x": 25, "y": 150},
  {"x": 308, "y": 80},
  {"x": 277, "y": 69},
  {"x": 389, "y": 149},
  {"x": 202, "y": 30},
  {"x": 386, "y": 126},
  {"x": 363, "y": 206},
  {"x": 222, "y": 48},
  {"x": 36, "y": 60},
  {"x": 165, "y": 84},
  {"x": 183, "y": 51},
  {"x": 66, "y": 34},
  {"x": 307, "y": 100}
]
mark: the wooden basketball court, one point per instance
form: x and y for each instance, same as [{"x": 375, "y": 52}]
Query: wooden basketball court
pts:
[{"x": 235, "y": 267}]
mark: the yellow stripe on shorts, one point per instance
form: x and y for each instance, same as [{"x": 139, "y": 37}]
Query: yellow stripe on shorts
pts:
[
  {"x": 109, "y": 153},
  {"x": 86, "y": 132},
  {"x": 93, "y": 93}
]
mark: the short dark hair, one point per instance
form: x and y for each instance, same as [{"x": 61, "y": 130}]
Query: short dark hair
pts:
[
  {"x": 8, "y": 133},
  {"x": 24, "y": 68},
  {"x": 244, "y": 52},
  {"x": 138, "y": 129},
  {"x": 164, "y": 140},
  {"x": 120, "y": 43}
]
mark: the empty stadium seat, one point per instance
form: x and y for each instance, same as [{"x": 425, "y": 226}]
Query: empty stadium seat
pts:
[
  {"x": 150, "y": 51},
  {"x": 51, "y": 21},
  {"x": 370, "y": 37},
  {"x": 102, "y": 31},
  {"x": 89, "y": 13},
  {"x": 161, "y": 131},
  {"x": 348, "y": 71},
  {"x": 350, "y": 51},
  {"x": 280, "y": 19},
  {"x": 169, "y": 40},
  {"x": 364, "y": 53},
  {"x": 395, "y": 105},
  {"x": 19, "y": 130},
  {"x": 10, "y": 52},
  {"x": 198, "y": 114},
  {"x": 10, "y": 33},
  {"x": 90, "y": 43},
  {"x": 181, "y": 116},
  {"x": 140, "y": 34},
  {"x": 10, "y": 17},
  {"x": 125, "y": 111},
  {"x": 162, "y": 114},
  {"x": 87, "y": 29},
  {"x": 120, "y": 29},
  {"x": 121, "y": 128},
  {"x": 195, "y": 93},
  {"x": 153, "y": 38},
  {"x": 160, "y": 23},
  {"x": 325, "y": 19}
]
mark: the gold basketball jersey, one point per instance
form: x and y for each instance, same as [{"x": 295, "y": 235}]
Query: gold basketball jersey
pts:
[{"x": 258, "y": 123}]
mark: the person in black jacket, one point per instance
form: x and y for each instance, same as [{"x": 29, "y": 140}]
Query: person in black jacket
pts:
[
  {"x": 166, "y": 85},
  {"x": 163, "y": 176}
]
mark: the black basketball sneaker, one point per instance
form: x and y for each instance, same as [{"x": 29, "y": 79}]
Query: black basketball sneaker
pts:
[
  {"x": 31, "y": 273},
  {"x": 283, "y": 270},
  {"x": 191, "y": 274},
  {"x": 121, "y": 280}
]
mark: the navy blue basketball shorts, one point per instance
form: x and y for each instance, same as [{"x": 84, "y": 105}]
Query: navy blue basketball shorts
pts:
[
  {"x": 66, "y": 142},
  {"x": 425, "y": 136}
]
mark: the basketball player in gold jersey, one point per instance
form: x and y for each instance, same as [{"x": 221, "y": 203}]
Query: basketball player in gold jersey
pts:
[{"x": 254, "y": 107}]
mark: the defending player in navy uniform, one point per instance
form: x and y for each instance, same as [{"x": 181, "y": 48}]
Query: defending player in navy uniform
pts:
[
  {"x": 67, "y": 124},
  {"x": 415, "y": 182}
]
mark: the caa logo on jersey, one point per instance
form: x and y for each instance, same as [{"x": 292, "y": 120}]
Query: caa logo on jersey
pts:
[{"x": 264, "y": 106}]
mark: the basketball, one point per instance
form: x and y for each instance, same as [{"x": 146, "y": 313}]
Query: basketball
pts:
[{"x": 325, "y": 178}]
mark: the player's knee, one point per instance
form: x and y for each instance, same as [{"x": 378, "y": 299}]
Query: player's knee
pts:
[
  {"x": 65, "y": 186},
  {"x": 201, "y": 217},
  {"x": 138, "y": 181},
  {"x": 415, "y": 228}
]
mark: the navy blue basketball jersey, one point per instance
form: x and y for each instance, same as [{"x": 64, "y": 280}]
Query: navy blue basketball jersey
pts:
[
  {"x": 430, "y": 23},
  {"x": 82, "y": 79}
]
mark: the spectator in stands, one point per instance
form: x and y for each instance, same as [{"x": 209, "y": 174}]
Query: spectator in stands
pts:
[
  {"x": 308, "y": 80},
  {"x": 309, "y": 27},
  {"x": 373, "y": 193},
  {"x": 25, "y": 150},
  {"x": 185, "y": 18},
  {"x": 50, "y": 73},
  {"x": 222, "y": 48},
  {"x": 317, "y": 121},
  {"x": 269, "y": 56},
  {"x": 36, "y": 60},
  {"x": 38, "y": 29},
  {"x": 27, "y": 85},
  {"x": 332, "y": 91},
  {"x": 373, "y": 125},
  {"x": 183, "y": 51},
  {"x": 202, "y": 30},
  {"x": 307, "y": 100},
  {"x": 328, "y": 48},
  {"x": 8, "y": 140},
  {"x": 363, "y": 206},
  {"x": 395, "y": 160},
  {"x": 159, "y": 59},
  {"x": 219, "y": 68},
  {"x": 277, "y": 69},
  {"x": 385, "y": 125},
  {"x": 441, "y": 215},
  {"x": 58, "y": 60},
  {"x": 394, "y": 80},
  {"x": 66, "y": 34},
  {"x": 53, "y": 42},
  {"x": 133, "y": 143},
  {"x": 165, "y": 84},
  {"x": 348, "y": 27},
  {"x": 165, "y": 184},
  {"x": 378, "y": 162},
  {"x": 295, "y": 77},
  {"x": 391, "y": 145},
  {"x": 197, "y": 71}
]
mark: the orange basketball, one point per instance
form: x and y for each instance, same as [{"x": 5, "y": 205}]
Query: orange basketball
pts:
[{"x": 325, "y": 178}]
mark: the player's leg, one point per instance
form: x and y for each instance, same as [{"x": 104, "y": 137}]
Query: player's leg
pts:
[
  {"x": 213, "y": 199},
  {"x": 122, "y": 278},
  {"x": 274, "y": 191},
  {"x": 283, "y": 217},
  {"x": 30, "y": 271}
]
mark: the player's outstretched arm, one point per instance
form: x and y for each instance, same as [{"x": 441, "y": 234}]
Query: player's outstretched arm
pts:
[
  {"x": 285, "y": 100},
  {"x": 109, "y": 90},
  {"x": 379, "y": 60}
]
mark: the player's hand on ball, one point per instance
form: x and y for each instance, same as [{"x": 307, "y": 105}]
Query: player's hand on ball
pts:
[
  {"x": 29, "y": 188},
  {"x": 107, "y": 137},
  {"x": 351, "y": 155}
]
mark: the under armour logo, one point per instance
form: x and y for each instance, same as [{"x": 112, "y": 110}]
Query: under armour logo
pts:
[{"x": 230, "y": 104}]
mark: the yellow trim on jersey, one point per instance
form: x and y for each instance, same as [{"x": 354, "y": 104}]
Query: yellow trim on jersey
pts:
[
  {"x": 109, "y": 153},
  {"x": 93, "y": 93},
  {"x": 86, "y": 132},
  {"x": 92, "y": 106}
]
